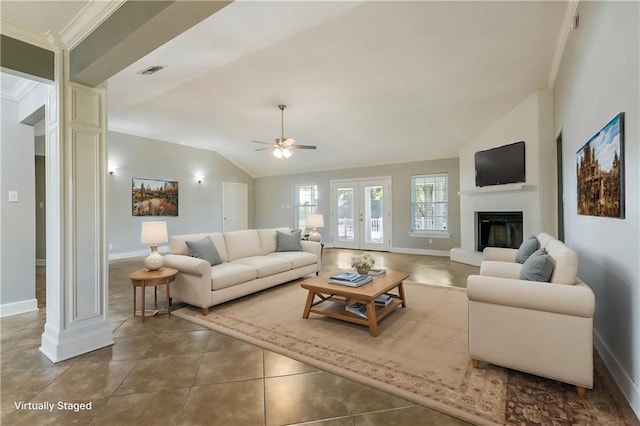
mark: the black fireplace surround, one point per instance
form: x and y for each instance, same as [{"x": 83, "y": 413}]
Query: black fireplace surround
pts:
[{"x": 498, "y": 229}]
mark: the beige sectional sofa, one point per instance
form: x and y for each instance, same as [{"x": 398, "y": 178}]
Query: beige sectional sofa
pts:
[
  {"x": 250, "y": 263},
  {"x": 542, "y": 328}
]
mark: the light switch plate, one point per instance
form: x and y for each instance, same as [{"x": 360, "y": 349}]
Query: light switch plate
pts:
[{"x": 14, "y": 196}]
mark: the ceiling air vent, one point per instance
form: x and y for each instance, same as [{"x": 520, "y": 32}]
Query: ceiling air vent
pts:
[{"x": 151, "y": 70}]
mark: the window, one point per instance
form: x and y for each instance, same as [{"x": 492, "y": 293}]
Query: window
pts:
[
  {"x": 429, "y": 203},
  {"x": 306, "y": 203}
]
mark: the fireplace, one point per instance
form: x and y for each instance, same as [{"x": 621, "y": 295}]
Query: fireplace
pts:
[{"x": 498, "y": 229}]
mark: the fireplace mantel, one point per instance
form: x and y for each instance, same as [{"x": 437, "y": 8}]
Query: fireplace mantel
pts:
[{"x": 497, "y": 188}]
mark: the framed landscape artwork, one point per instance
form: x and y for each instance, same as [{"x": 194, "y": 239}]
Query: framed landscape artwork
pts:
[
  {"x": 600, "y": 168},
  {"x": 154, "y": 197}
]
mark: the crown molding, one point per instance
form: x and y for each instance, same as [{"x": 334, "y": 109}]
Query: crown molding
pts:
[
  {"x": 565, "y": 29},
  {"x": 14, "y": 31},
  {"x": 20, "y": 90},
  {"x": 88, "y": 19}
]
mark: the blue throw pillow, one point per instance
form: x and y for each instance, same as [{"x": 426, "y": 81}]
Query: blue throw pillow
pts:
[
  {"x": 527, "y": 248},
  {"x": 204, "y": 249},
  {"x": 538, "y": 267},
  {"x": 288, "y": 242}
]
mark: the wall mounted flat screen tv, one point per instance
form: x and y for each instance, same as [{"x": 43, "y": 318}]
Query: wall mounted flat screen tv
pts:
[{"x": 501, "y": 165}]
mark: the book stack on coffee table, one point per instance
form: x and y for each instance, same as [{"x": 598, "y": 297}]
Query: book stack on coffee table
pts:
[{"x": 351, "y": 279}]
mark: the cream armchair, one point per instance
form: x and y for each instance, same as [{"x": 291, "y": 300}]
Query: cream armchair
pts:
[{"x": 540, "y": 328}]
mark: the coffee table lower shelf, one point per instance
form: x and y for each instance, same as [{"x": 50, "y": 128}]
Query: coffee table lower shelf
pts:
[{"x": 335, "y": 308}]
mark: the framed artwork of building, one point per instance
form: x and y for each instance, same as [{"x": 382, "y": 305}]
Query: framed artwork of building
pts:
[{"x": 600, "y": 168}]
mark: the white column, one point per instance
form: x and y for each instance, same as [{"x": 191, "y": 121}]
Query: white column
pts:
[{"x": 77, "y": 270}]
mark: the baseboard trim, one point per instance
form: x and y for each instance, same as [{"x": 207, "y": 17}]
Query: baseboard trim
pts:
[
  {"x": 137, "y": 253},
  {"x": 468, "y": 257},
  {"x": 629, "y": 389},
  {"x": 128, "y": 254},
  {"x": 21, "y": 307},
  {"x": 405, "y": 250},
  {"x": 427, "y": 252}
]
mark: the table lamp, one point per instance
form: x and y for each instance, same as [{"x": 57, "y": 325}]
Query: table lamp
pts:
[
  {"x": 315, "y": 221},
  {"x": 154, "y": 233}
]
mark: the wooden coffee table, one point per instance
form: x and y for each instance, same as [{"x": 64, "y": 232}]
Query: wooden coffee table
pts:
[{"x": 334, "y": 297}]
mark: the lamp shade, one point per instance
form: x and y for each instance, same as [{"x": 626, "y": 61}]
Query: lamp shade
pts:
[
  {"x": 315, "y": 221},
  {"x": 154, "y": 233}
]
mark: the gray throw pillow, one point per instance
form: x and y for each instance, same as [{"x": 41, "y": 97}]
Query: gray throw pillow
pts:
[
  {"x": 538, "y": 267},
  {"x": 288, "y": 242},
  {"x": 204, "y": 249},
  {"x": 527, "y": 248}
]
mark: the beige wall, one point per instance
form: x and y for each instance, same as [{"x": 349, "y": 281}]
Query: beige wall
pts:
[
  {"x": 275, "y": 197},
  {"x": 199, "y": 204}
]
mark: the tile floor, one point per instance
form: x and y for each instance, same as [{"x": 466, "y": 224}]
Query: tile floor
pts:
[{"x": 169, "y": 371}]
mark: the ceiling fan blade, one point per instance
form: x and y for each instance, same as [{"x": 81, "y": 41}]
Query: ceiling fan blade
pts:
[
  {"x": 288, "y": 142},
  {"x": 266, "y": 143},
  {"x": 263, "y": 149},
  {"x": 303, "y": 146}
]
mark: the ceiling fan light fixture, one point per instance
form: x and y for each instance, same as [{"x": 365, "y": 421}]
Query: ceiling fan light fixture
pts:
[
  {"x": 283, "y": 148},
  {"x": 282, "y": 152}
]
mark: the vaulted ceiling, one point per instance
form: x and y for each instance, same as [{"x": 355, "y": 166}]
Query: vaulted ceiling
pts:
[{"x": 367, "y": 82}]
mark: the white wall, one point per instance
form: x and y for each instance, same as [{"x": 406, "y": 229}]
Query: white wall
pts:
[
  {"x": 531, "y": 121},
  {"x": 199, "y": 204},
  {"x": 17, "y": 289},
  {"x": 598, "y": 78}
]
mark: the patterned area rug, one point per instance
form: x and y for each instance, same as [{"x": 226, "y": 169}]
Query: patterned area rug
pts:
[{"x": 420, "y": 354}]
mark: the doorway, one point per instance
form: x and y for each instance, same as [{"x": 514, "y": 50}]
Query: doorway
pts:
[
  {"x": 361, "y": 213},
  {"x": 560, "y": 188},
  {"x": 234, "y": 206}
]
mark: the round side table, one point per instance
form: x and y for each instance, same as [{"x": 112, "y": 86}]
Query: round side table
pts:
[{"x": 146, "y": 278}]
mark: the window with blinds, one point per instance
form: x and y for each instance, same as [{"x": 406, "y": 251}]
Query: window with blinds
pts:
[
  {"x": 429, "y": 203},
  {"x": 306, "y": 203}
]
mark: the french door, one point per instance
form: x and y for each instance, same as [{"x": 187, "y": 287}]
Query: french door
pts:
[{"x": 361, "y": 214}]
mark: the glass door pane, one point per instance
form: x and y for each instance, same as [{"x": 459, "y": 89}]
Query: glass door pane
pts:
[
  {"x": 346, "y": 215},
  {"x": 372, "y": 217}
]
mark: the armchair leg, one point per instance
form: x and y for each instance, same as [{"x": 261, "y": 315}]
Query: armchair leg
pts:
[
  {"x": 581, "y": 391},
  {"x": 205, "y": 311},
  {"x": 474, "y": 363}
]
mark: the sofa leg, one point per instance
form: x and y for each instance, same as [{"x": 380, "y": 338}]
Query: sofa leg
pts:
[
  {"x": 205, "y": 311},
  {"x": 581, "y": 391},
  {"x": 474, "y": 363}
]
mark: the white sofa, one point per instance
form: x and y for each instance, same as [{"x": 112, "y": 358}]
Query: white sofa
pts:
[
  {"x": 250, "y": 264},
  {"x": 542, "y": 328}
]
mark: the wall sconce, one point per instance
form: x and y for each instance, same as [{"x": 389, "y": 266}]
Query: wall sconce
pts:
[
  {"x": 112, "y": 170},
  {"x": 199, "y": 178}
]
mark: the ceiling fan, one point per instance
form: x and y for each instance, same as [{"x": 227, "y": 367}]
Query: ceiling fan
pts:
[{"x": 283, "y": 148}]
